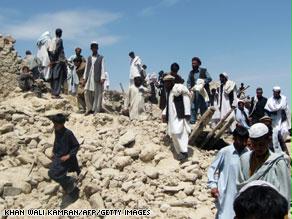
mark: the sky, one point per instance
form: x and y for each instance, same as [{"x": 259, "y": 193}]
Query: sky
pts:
[{"x": 250, "y": 40}]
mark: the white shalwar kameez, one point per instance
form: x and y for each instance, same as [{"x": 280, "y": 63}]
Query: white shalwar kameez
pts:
[
  {"x": 135, "y": 68},
  {"x": 223, "y": 174},
  {"x": 228, "y": 87},
  {"x": 179, "y": 129},
  {"x": 43, "y": 44},
  {"x": 276, "y": 106},
  {"x": 135, "y": 102},
  {"x": 93, "y": 90},
  {"x": 72, "y": 81}
]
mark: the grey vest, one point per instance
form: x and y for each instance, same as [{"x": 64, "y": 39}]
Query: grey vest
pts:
[{"x": 97, "y": 68}]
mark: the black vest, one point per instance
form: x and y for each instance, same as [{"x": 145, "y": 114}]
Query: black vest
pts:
[
  {"x": 97, "y": 67},
  {"x": 179, "y": 106}
]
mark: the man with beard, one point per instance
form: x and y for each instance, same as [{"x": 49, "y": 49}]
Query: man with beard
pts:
[
  {"x": 94, "y": 77},
  {"x": 262, "y": 164},
  {"x": 227, "y": 94},
  {"x": 194, "y": 75},
  {"x": 257, "y": 108},
  {"x": 277, "y": 109},
  {"x": 177, "y": 115}
]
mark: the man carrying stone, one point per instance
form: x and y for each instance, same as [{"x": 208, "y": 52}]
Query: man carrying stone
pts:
[
  {"x": 194, "y": 75},
  {"x": 135, "y": 67},
  {"x": 177, "y": 115}
]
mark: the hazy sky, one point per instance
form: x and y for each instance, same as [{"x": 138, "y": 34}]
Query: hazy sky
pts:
[{"x": 248, "y": 39}]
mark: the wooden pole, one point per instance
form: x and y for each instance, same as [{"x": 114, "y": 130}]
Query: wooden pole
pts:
[
  {"x": 122, "y": 88},
  {"x": 223, "y": 129},
  {"x": 199, "y": 126},
  {"x": 218, "y": 126}
]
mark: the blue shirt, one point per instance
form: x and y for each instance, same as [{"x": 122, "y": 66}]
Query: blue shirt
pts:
[{"x": 223, "y": 174}]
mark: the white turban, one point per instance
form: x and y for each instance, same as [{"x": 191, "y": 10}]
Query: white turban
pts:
[
  {"x": 256, "y": 183},
  {"x": 225, "y": 75},
  {"x": 258, "y": 130},
  {"x": 276, "y": 88}
]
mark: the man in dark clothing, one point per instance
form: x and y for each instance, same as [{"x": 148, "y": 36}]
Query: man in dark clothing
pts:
[
  {"x": 25, "y": 80},
  {"x": 174, "y": 68},
  {"x": 198, "y": 102},
  {"x": 58, "y": 66},
  {"x": 161, "y": 93},
  {"x": 257, "y": 109},
  {"x": 64, "y": 157}
]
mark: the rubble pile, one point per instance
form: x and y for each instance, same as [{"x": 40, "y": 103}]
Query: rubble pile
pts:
[
  {"x": 129, "y": 164},
  {"x": 10, "y": 65}
]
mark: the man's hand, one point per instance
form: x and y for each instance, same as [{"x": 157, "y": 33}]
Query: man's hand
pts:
[
  {"x": 65, "y": 157},
  {"x": 215, "y": 193}
]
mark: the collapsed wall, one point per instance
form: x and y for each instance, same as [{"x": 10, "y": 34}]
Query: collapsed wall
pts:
[{"x": 10, "y": 65}]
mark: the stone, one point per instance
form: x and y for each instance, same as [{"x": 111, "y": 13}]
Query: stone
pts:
[
  {"x": 11, "y": 191},
  {"x": 18, "y": 117},
  {"x": 96, "y": 201},
  {"x": 132, "y": 152},
  {"x": 188, "y": 202},
  {"x": 189, "y": 189},
  {"x": 43, "y": 160},
  {"x": 33, "y": 205},
  {"x": 127, "y": 185},
  {"x": 164, "y": 207},
  {"x": 6, "y": 128},
  {"x": 128, "y": 138},
  {"x": 151, "y": 172},
  {"x": 148, "y": 152},
  {"x": 121, "y": 162},
  {"x": 24, "y": 186},
  {"x": 109, "y": 172},
  {"x": 25, "y": 158},
  {"x": 51, "y": 189},
  {"x": 91, "y": 188},
  {"x": 172, "y": 189}
]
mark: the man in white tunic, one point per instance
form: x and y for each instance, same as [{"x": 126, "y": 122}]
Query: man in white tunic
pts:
[
  {"x": 43, "y": 44},
  {"x": 135, "y": 67},
  {"x": 277, "y": 108},
  {"x": 227, "y": 95},
  {"x": 94, "y": 77},
  {"x": 135, "y": 99},
  {"x": 177, "y": 114},
  {"x": 223, "y": 173}
]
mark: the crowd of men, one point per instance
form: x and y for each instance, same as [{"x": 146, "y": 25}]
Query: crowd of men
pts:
[{"x": 258, "y": 157}]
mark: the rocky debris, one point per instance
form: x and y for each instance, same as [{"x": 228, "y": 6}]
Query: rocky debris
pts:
[
  {"x": 96, "y": 201},
  {"x": 129, "y": 164},
  {"x": 127, "y": 138},
  {"x": 6, "y": 128},
  {"x": 148, "y": 152},
  {"x": 10, "y": 65}
]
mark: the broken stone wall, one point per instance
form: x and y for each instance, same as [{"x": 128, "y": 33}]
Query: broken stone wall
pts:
[{"x": 10, "y": 64}]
